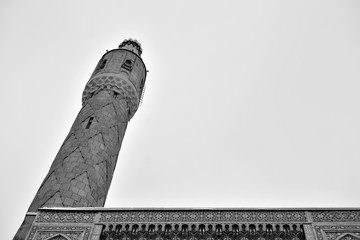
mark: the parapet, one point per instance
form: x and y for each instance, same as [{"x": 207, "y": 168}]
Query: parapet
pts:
[{"x": 132, "y": 45}]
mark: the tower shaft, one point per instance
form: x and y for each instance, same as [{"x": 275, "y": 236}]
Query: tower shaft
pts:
[{"x": 81, "y": 173}]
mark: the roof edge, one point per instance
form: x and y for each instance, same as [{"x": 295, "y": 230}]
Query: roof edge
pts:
[{"x": 102, "y": 209}]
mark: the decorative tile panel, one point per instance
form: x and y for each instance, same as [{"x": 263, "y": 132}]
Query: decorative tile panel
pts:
[
  {"x": 334, "y": 232},
  {"x": 204, "y": 216},
  {"x": 336, "y": 216},
  {"x": 45, "y": 232},
  {"x": 66, "y": 217}
]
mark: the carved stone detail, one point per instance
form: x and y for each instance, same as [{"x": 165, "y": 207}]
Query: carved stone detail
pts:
[
  {"x": 336, "y": 232},
  {"x": 343, "y": 236},
  {"x": 58, "y": 237},
  {"x": 204, "y": 216},
  {"x": 115, "y": 83},
  {"x": 202, "y": 232},
  {"x": 336, "y": 216},
  {"x": 65, "y": 217},
  {"x": 46, "y": 232}
]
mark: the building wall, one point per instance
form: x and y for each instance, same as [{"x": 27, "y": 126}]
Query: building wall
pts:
[{"x": 200, "y": 224}]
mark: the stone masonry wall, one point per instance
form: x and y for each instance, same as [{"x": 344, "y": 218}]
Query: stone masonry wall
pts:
[{"x": 81, "y": 173}]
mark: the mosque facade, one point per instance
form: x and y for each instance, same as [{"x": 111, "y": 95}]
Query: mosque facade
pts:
[{"x": 69, "y": 203}]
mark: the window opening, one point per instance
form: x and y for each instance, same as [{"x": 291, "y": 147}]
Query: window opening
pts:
[
  {"x": 127, "y": 64},
  {"x": 103, "y": 63},
  {"x": 89, "y": 122}
]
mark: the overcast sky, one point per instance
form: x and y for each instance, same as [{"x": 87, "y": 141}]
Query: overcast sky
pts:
[{"x": 247, "y": 103}]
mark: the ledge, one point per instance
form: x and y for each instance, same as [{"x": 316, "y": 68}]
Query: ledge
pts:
[{"x": 102, "y": 209}]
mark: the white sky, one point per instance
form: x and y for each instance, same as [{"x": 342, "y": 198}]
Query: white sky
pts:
[{"x": 247, "y": 103}]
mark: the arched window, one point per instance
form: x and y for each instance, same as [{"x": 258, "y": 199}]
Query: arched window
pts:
[{"x": 128, "y": 64}]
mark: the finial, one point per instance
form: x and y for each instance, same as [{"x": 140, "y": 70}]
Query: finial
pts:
[{"x": 132, "y": 45}]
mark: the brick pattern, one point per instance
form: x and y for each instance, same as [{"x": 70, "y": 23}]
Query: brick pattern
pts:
[{"x": 81, "y": 173}]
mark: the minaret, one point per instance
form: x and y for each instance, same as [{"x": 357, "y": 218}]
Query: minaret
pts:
[{"x": 81, "y": 173}]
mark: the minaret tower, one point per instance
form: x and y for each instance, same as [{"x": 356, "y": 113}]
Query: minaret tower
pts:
[{"x": 81, "y": 173}]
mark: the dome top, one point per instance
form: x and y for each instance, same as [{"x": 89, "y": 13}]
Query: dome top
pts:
[{"x": 132, "y": 45}]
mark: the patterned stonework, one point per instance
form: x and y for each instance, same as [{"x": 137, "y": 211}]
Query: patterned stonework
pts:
[
  {"x": 47, "y": 232},
  {"x": 190, "y": 224},
  {"x": 204, "y": 216},
  {"x": 336, "y": 216},
  {"x": 343, "y": 236},
  {"x": 58, "y": 237},
  {"x": 202, "y": 232},
  {"x": 81, "y": 173},
  {"x": 65, "y": 217},
  {"x": 337, "y": 232},
  {"x": 116, "y": 84}
]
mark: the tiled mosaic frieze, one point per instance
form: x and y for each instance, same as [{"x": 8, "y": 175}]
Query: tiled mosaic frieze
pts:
[
  {"x": 58, "y": 232},
  {"x": 204, "y": 216},
  {"x": 336, "y": 216},
  {"x": 195, "y": 224},
  {"x": 337, "y": 232},
  {"x": 200, "y": 216},
  {"x": 66, "y": 217},
  {"x": 202, "y": 232}
]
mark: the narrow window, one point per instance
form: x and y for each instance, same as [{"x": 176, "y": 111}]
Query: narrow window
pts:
[{"x": 89, "y": 122}]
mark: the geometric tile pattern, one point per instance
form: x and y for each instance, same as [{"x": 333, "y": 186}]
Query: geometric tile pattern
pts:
[
  {"x": 336, "y": 216},
  {"x": 113, "y": 82},
  {"x": 193, "y": 224},
  {"x": 343, "y": 236},
  {"x": 203, "y": 216},
  {"x": 81, "y": 173},
  {"x": 202, "y": 232},
  {"x": 58, "y": 233},
  {"x": 65, "y": 217},
  {"x": 193, "y": 216},
  {"x": 337, "y": 232}
]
